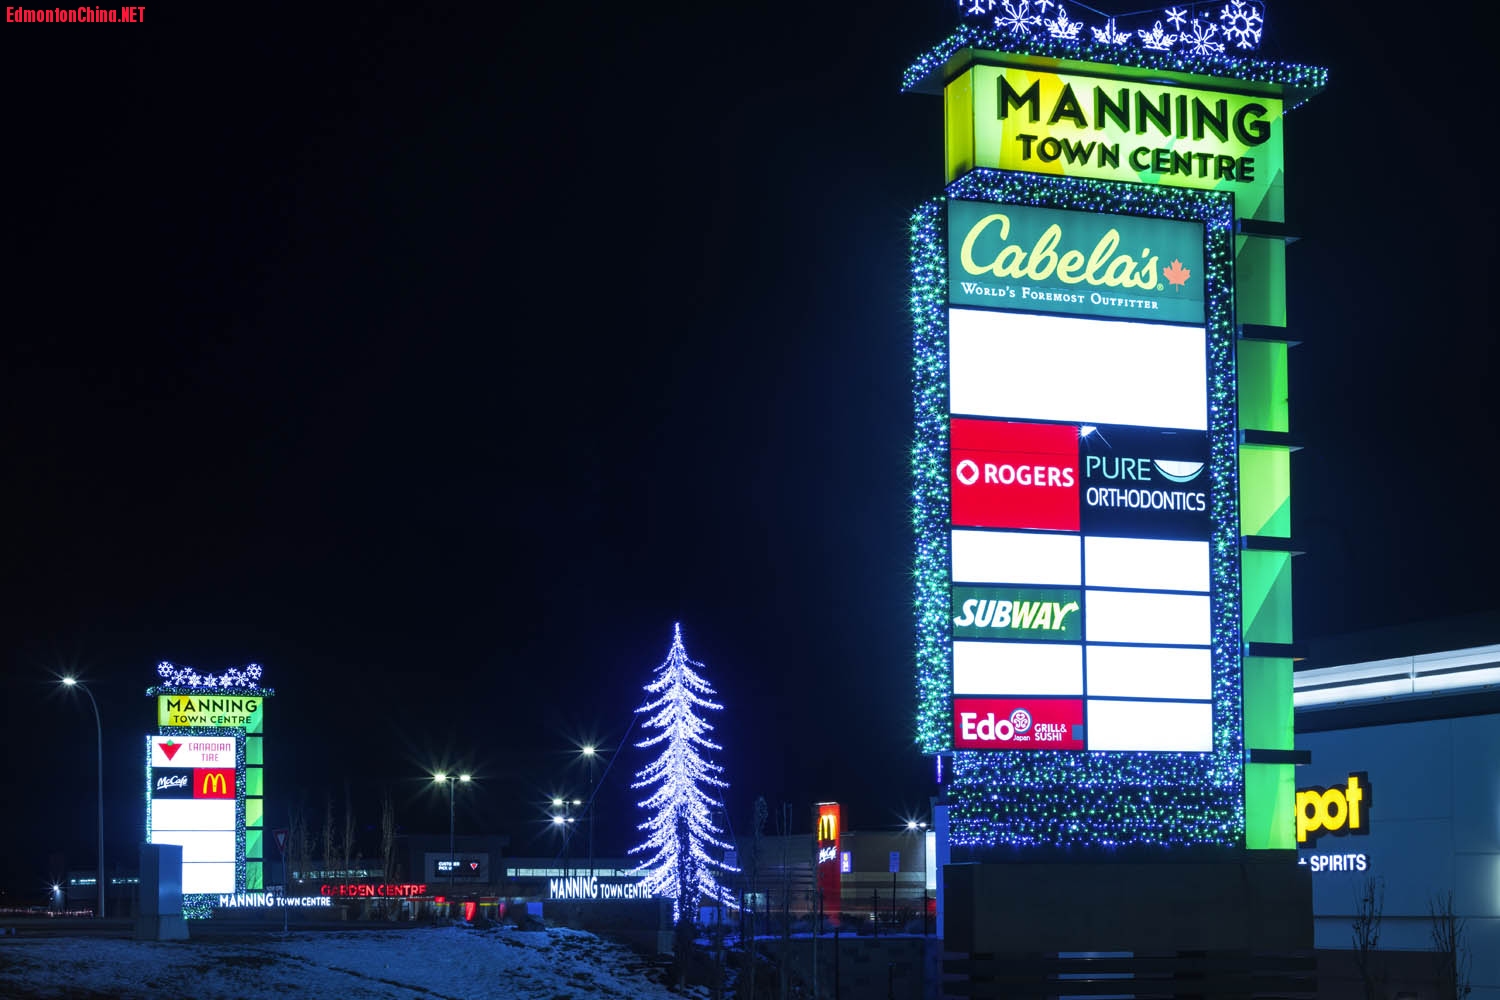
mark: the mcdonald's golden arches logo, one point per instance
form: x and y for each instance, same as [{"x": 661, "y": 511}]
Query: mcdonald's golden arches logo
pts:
[
  {"x": 828, "y": 823},
  {"x": 213, "y": 783}
]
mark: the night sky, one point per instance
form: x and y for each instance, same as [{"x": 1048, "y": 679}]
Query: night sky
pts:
[{"x": 440, "y": 358}]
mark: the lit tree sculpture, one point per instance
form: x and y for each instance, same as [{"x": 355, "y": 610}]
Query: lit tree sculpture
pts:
[{"x": 681, "y": 828}]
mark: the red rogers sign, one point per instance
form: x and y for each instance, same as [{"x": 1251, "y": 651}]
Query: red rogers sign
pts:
[{"x": 1013, "y": 475}]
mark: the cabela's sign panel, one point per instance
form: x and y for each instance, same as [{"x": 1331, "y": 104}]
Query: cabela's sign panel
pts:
[
  {"x": 1073, "y": 125},
  {"x": 1042, "y": 259},
  {"x": 209, "y": 710}
]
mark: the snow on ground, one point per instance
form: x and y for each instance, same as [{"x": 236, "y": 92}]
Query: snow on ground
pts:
[{"x": 437, "y": 963}]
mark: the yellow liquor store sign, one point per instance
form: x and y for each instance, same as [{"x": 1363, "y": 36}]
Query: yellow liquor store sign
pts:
[
  {"x": 210, "y": 711},
  {"x": 1075, "y": 125}
]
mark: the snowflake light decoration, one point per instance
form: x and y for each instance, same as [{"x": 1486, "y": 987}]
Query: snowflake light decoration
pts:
[
  {"x": 1242, "y": 23},
  {"x": 1062, "y": 26},
  {"x": 1156, "y": 39},
  {"x": 1110, "y": 34},
  {"x": 1236, "y": 23},
  {"x": 1201, "y": 41},
  {"x": 234, "y": 678},
  {"x": 1018, "y": 18}
]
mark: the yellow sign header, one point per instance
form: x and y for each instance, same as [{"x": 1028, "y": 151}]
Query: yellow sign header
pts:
[
  {"x": 209, "y": 711},
  {"x": 1070, "y": 125}
]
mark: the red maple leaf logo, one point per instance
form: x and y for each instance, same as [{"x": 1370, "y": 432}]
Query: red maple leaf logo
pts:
[
  {"x": 1177, "y": 274},
  {"x": 170, "y": 749}
]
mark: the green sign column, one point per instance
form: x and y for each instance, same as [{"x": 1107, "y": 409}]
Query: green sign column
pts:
[{"x": 255, "y": 871}]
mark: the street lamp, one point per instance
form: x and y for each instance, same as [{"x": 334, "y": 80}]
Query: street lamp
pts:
[
  {"x": 99, "y": 731},
  {"x": 565, "y": 821},
  {"x": 449, "y": 779}
]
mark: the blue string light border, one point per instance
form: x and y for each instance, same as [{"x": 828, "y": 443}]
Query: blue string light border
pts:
[
  {"x": 1071, "y": 798},
  {"x": 200, "y": 905}
]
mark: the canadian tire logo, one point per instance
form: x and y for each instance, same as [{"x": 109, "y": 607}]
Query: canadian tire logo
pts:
[{"x": 170, "y": 748}]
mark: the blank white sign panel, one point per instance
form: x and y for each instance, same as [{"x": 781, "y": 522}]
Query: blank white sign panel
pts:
[
  {"x": 1149, "y": 672},
  {"x": 192, "y": 814},
  {"x": 1145, "y": 564},
  {"x": 203, "y": 876},
  {"x": 1167, "y": 619},
  {"x": 1093, "y": 371},
  {"x": 1017, "y": 668},
  {"x": 1185, "y": 726},
  {"x": 198, "y": 845},
  {"x": 1015, "y": 557}
]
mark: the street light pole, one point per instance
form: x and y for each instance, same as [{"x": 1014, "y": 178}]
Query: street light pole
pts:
[
  {"x": 99, "y": 732},
  {"x": 449, "y": 779},
  {"x": 588, "y": 752}
]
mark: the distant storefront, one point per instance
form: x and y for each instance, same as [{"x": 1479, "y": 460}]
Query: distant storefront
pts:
[{"x": 1399, "y": 809}]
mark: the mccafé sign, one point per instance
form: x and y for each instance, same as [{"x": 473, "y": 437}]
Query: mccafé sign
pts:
[
  {"x": 384, "y": 890},
  {"x": 1337, "y": 810}
]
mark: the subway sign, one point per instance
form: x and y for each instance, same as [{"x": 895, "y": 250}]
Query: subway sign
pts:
[{"x": 209, "y": 711}]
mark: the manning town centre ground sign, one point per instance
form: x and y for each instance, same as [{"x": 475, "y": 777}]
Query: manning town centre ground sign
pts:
[{"x": 205, "y": 780}]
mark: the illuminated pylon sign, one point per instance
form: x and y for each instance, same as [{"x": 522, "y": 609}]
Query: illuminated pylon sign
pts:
[
  {"x": 205, "y": 783},
  {"x": 826, "y": 823},
  {"x": 1101, "y": 414}
]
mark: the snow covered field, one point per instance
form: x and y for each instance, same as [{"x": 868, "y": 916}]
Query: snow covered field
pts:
[{"x": 447, "y": 963}]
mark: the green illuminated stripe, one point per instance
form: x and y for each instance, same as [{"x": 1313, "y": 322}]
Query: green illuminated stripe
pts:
[
  {"x": 1270, "y": 807},
  {"x": 1263, "y": 385},
  {"x": 1266, "y": 595},
  {"x": 1265, "y": 490}
]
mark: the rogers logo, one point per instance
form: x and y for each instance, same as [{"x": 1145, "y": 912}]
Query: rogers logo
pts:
[
  {"x": 967, "y": 473},
  {"x": 1014, "y": 475}
]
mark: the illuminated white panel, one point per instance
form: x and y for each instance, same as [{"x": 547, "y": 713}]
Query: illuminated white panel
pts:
[
  {"x": 1150, "y": 725},
  {"x": 202, "y": 876},
  {"x": 198, "y": 845},
  {"x": 1014, "y": 557},
  {"x": 1092, "y": 371},
  {"x": 1149, "y": 672},
  {"x": 192, "y": 814},
  {"x": 1017, "y": 668},
  {"x": 1120, "y": 616},
  {"x": 1145, "y": 564}
]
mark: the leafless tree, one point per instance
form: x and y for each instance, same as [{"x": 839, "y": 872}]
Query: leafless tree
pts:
[
  {"x": 1452, "y": 947},
  {"x": 299, "y": 846},
  {"x": 757, "y": 832},
  {"x": 1369, "y": 904},
  {"x": 348, "y": 844},
  {"x": 388, "y": 837},
  {"x": 330, "y": 835}
]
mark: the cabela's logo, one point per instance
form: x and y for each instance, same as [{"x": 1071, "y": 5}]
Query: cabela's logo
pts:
[{"x": 1103, "y": 266}]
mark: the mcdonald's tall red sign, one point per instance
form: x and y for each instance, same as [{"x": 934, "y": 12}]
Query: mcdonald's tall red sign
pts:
[{"x": 828, "y": 860}]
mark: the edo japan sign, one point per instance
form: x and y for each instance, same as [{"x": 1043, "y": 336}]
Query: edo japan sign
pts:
[{"x": 1046, "y": 260}]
